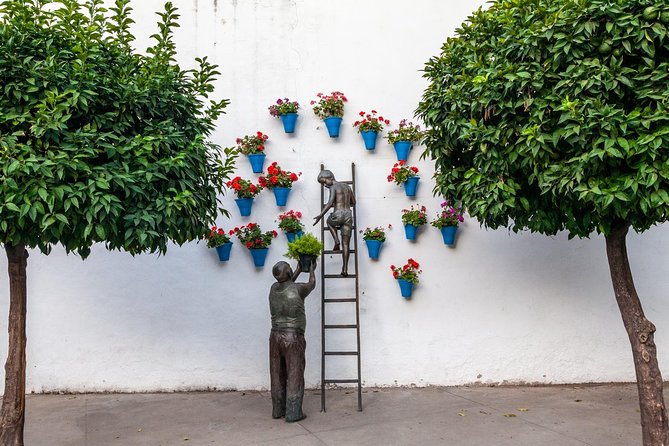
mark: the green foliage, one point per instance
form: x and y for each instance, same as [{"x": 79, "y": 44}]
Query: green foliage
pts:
[
  {"x": 217, "y": 237},
  {"x": 414, "y": 216},
  {"x": 407, "y": 131},
  {"x": 377, "y": 233},
  {"x": 306, "y": 244},
  {"x": 98, "y": 143},
  {"x": 553, "y": 115}
]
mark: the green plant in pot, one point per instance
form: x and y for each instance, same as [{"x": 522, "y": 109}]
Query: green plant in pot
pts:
[{"x": 305, "y": 249}]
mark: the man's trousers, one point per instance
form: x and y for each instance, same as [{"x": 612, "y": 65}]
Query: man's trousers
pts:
[{"x": 286, "y": 366}]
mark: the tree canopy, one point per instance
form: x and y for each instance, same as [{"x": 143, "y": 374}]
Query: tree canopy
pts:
[
  {"x": 99, "y": 143},
  {"x": 553, "y": 115}
]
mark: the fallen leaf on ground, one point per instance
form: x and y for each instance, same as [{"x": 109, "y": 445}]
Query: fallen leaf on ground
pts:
[
  {"x": 510, "y": 415},
  {"x": 522, "y": 409}
]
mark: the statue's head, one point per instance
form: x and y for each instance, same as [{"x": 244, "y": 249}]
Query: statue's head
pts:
[
  {"x": 282, "y": 271},
  {"x": 326, "y": 178}
]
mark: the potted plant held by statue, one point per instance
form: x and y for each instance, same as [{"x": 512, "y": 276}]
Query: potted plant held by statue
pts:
[
  {"x": 219, "y": 240},
  {"x": 403, "y": 138},
  {"x": 306, "y": 250},
  {"x": 291, "y": 225},
  {"x": 370, "y": 127},
  {"x": 447, "y": 222},
  {"x": 287, "y": 111},
  {"x": 256, "y": 241},
  {"x": 406, "y": 175},
  {"x": 253, "y": 146},
  {"x": 413, "y": 218},
  {"x": 406, "y": 276},
  {"x": 374, "y": 239},
  {"x": 279, "y": 181},
  {"x": 245, "y": 191},
  {"x": 330, "y": 108}
]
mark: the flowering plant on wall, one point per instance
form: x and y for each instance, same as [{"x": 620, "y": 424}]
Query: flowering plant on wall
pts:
[
  {"x": 217, "y": 237},
  {"x": 290, "y": 221},
  {"x": 377, "y": 233},
  {"x": 252, "y": 236},
  {"x": 329, "y": 106},
  {"x": 252, "y": 144},
  {"x": 414, "y": 216},
  {"x": 244, "y": 188},
  {"x": 448, "y": 216},
  {"x": 370, "y": 122},
  {"x": 283, "y": 107},
  {"x": 408, "y": 272},
  {"x": 277, "y": 177},
  {"x": 401, "y": 172},
  {"x": 407, "y": 131}
]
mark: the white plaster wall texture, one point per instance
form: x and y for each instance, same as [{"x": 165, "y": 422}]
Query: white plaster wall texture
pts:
[{"x": 500, "y": 307}]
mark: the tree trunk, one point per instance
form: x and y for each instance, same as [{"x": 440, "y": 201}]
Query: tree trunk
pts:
[
  {"x": 12, "y": 414},
  {"x": 640, "y": 331}
]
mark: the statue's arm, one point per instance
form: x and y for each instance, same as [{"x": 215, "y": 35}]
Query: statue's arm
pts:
[
  {"x": 326, "y": 208},
  {"x": 297, "y": 272},
  {"x": 308, "y": 287}
]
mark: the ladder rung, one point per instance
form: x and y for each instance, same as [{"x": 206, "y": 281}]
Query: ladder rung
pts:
[
  {"x": 341, "y": 354},
  {"x": 341, "y": 326},
  {"x": 329, "y": 251},
  {"x": 337, "y": 381},
  {"x": 348, "y": 299},
  {"x": 339, "y": 276}
]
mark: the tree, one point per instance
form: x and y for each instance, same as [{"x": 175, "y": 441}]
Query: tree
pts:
[
  {"x": 98, "y": 144},
  {"x": 552, "y": 115}
]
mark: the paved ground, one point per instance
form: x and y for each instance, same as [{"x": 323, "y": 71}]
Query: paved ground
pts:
[{"x": 604, "y": 415}]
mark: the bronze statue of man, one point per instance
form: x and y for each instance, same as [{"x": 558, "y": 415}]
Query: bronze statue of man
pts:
[
  {"x": 286, "y": 341},
  {"x": 343, "y": 200}
]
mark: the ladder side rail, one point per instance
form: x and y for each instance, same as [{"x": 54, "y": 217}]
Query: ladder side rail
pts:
[
  {"x": 322, "y": 304},
  {"x": 357, "y": 288}
]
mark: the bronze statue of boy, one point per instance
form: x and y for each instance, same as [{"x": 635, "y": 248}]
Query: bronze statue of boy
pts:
[
  {"x": 343, "y": 200},
  {"x": 286, "y": 340}
]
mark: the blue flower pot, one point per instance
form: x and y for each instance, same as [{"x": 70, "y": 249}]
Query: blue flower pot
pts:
[
  {"x": 244, "y": 205},
  {"x": 289, "y": 120},
  {"x": 448, "y": 234},
  {"x": 410, "y": 232},
  {"x": 223, "y": 251},
  {"x": 402, "y": 149},
  {"x": 369, "y": 137},
  {"x": 281, "y": 195},
  {"x": 406, "y": 288},
  {"x": 291, "y": 236},
  {"x": 259, "y": 255},
  {"x": 373, "y": 247},
  {"x": 257, "y": 161},
  {"x": 410, "y": 186},
  {"x": 333, "y": 124}
]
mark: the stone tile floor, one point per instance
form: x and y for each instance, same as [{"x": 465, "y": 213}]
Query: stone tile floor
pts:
[{"x": 597, "y": 415}]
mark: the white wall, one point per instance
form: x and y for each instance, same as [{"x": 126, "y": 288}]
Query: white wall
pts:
[{"x": 498, "y": 308}]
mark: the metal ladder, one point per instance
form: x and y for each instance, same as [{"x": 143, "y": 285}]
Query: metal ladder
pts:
[{"x": 330, "y": 301}]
